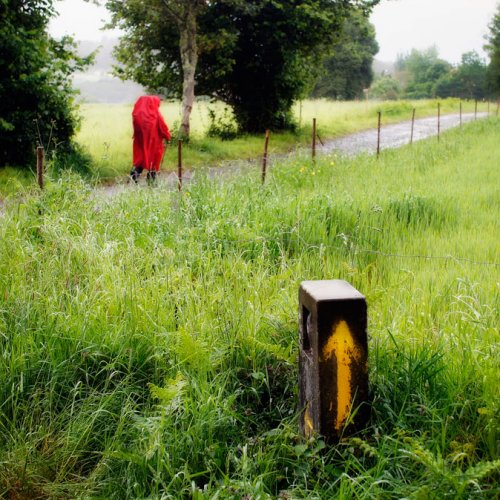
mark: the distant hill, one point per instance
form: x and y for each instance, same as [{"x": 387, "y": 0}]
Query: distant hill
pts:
[{"x": 97, "y": 85}]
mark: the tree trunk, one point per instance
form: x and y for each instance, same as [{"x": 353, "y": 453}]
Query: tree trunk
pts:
[{"x": 189, "y": 60}]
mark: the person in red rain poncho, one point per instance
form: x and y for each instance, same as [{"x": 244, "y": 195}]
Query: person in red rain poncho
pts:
[{"x": 150, "y": 130}]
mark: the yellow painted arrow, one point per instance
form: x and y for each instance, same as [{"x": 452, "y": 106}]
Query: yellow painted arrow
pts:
[{"x": 343, "y": 345}]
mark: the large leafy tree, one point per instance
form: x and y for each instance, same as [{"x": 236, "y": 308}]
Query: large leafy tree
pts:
[
  {"x": 161, "y": 48},
  {"x": 257, "y": 56},
  {"x": 493, "y": 49},
  {"x": 348, "y": 70},
  {"x": 278, "y": 51},
  {"x": 36, "y": 96}
]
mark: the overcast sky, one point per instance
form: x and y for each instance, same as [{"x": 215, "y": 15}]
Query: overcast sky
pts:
[{"x": 454, "y": 26}]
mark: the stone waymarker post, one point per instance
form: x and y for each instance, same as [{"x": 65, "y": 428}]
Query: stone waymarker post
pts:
[{"x": 333, "y": 358}]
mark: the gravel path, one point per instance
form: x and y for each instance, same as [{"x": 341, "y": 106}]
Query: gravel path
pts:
[{"x": 394, "y": 136}]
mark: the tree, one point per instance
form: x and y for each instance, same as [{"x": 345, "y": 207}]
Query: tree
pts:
[
  {"x": 467, "y": 81},
  {"x": 348, "y": 70},
  {"x": 137, "y": 18},
  {"x": 386, "y": 88},
  {"x": 257, "y": 57},
  {"x": 493, "y": 49},
  {"x": 36, "y": 96},
  {"x": 421, "y": 70},
  {"x": 277, "y": 53}
]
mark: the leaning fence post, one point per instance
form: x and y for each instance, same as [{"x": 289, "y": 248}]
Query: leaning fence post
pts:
[
  {"x": 264, "y": 158},
  {"x": 378, "y": 132},
  {"x": 439, "y": 120},
  {"x": 179, "y": 164},
  {"x": 412, "y": 125},
  {"x": 314, "y": 140},
  {"x": 39, "y": 165},
  {"x": 333, "y": 358}
]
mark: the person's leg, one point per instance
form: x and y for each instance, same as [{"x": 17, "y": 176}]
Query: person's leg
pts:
[
  {"x": 135, "y": 173},
  {"x": 151, "y": 177}
]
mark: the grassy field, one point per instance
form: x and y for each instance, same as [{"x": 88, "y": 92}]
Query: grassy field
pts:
[{"x": 149, "y": 340}]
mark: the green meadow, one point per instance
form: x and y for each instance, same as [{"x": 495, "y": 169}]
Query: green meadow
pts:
[{"x": 149, "y": 338}]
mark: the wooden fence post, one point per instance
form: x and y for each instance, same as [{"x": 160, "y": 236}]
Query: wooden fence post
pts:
[
  {"x": 39, "y": 165},
  {"x": 378, "y": 132},
  {"x": 264, "y": 158},
  {"x": 179, "y": 164},
  {"x": 460, "y": 114},
  {"x": 439, "y": 120},
  {"x": 412, "y": 125},
  {"x": 314, "y": 140}
]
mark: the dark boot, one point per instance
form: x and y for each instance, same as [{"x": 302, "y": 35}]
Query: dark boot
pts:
[
  {"x": 135, "y": 173},
  {"x": 151, "y": 178}
]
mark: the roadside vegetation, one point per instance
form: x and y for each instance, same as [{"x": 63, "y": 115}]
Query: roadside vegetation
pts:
[{"x": 149, "y": 340}]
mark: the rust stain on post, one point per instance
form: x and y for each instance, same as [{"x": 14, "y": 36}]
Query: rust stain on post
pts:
[{"x": 333, "y": 358}]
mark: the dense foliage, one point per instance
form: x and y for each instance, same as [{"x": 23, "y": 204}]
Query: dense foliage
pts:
[
  {"x": 35, "y": 84},
  {"x": 422, "y": 74},
  {"x": 385, "y": 88},
  {"x": 256, "y": 57},
  {"x": 420, "y": 70},
  {"x": 493, "y": 48},
  {"x": 467, "y": 81},
  {"x": 348, "y": 70}
]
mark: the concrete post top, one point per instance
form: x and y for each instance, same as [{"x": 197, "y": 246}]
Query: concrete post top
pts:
[{"x": 327, "y": 290}]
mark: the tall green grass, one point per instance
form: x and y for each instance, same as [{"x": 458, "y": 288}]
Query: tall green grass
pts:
[{"x": 149, "y": 339}]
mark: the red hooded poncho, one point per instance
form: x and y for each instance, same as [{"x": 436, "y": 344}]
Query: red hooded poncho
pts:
[{"x": 149, "y": 131}]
